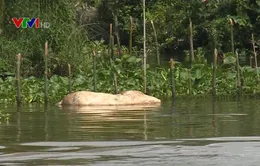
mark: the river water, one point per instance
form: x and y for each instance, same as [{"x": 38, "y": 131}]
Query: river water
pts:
[{"x": 194, "y": 132}]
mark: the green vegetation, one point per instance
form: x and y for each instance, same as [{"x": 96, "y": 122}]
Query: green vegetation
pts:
[
  {"x": 77, "y": 29},
  {"x": 129, "y": 76}
]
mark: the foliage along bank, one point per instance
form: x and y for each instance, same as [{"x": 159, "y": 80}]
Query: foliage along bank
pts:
[
  {"x": 73, "y": 32},
  {"x": 129, "y": 75}
]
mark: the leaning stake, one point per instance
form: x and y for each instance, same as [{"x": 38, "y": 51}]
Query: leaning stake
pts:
[
  {"x": 46, "y": 73},
  {"x": 18, "y": 79},
  {"x": 239, "y": 89},
  {"x": 172, "y": 79},
  {"x": 69, "y": 69},
  {"x": 95, "y": 70},
  {"x": 214, "y": 73}
]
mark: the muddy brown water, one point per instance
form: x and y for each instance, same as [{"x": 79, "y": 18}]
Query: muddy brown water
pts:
[{"x": 196, "y": 132}]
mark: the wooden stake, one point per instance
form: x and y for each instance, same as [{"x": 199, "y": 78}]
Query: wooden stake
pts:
[
  {"x": 191, "y": 42},
  {"x": 113, "y": 62},
  {"x": 172, "y": 79},
  {"x": 239, "y": 88},
  {"x": 110, "y": 30},
  {"x": 95, "y": 70},
  {"x": 110, "y": 36},
  {"x": 214, "y": 73},
  {"x": 144, "y": 56},
  {"x": 131, "y": 36},
  {"x": 69, "y": 69},
  {"x": 18, "y": 80},
  {"x": 46, "y": 73}
]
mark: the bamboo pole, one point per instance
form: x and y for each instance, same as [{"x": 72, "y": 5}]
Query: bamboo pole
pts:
[
  {"x": 214, "y": 73},
  {"x": 239, "y": 88},
  {"x": 144, "y": 56},
  {"x": 18, "y": 80},
  {"x": 95, "y": 70},
  {"x": 131, "y": 36},
  {"x": 172, "y": 79},
  {"x": 191, "y": 42},
  {"x": 46, "y": 73},
  {"x": 255, "y": 55},
  {"x": 156, "y": 42},
  {"x": 69, "y": 70}
]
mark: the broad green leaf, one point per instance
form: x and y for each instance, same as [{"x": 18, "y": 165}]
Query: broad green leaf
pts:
[
  {"x": 198, "y": 74},
  {"x": 229, "y": 60},
  {"x": 125, "y": 56},
  {"x": 118, "y": 60},
  {"x": 131, "y": 59}
]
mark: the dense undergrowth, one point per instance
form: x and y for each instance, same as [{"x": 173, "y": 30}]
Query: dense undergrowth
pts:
[{"x": 129, "y": 75}]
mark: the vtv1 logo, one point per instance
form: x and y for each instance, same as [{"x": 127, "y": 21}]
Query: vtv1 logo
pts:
[{"x": 26, "y": 22}]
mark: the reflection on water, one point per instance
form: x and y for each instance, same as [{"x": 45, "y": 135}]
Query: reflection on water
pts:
[{"x": 195, "y": 132}]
